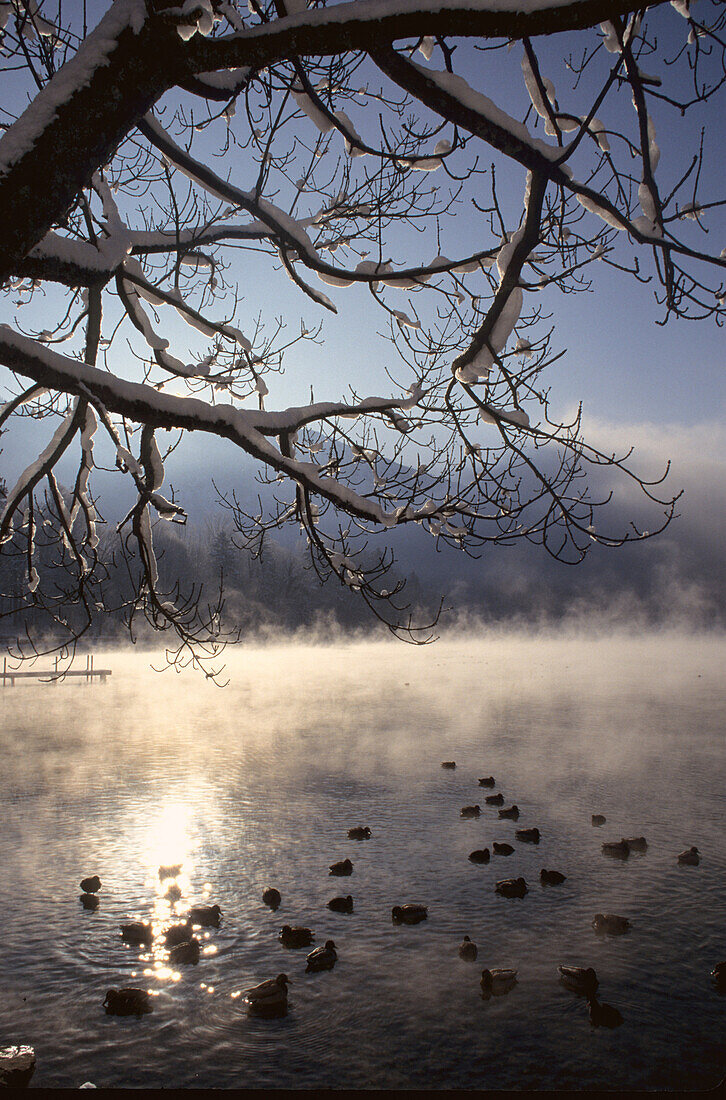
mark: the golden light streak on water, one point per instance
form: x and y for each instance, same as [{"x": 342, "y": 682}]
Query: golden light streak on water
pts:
[
  {"x": 165, "y": 973},
  {"x": 169, "y": 843},
  {"x": 166, "y": 852}
]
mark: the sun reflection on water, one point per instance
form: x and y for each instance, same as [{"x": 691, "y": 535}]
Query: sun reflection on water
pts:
[
  {"x": 168, "y": 841},
  {"x": 167, "y": 856}
]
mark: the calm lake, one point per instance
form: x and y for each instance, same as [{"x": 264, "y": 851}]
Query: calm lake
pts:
[{"x": 257, "y": 785}]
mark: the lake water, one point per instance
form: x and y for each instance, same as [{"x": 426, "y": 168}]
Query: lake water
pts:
[{"x": 258, "y": 784}]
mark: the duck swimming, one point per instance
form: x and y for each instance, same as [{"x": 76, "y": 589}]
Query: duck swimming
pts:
[
  {"x": 529, "y": 836},
  {"x": 411, "y": 913},
  {"x": 690, "y": 857},
  {"x": 448, "y": 763},
  {"x": 511, "y": 887},
  {"x": 602, "y": 1015},
  {"x": 468, "y": 950},
  {"x": 207, "y": 916},
  {"x": 581, "y": 979},
  {"x": 598, "y": 819},
  {"x": 127, "y": 1002},
  {"x": 488, "y": 781},
  {"x": 138, "y": 932},
  {"x": 502, "y": 849},
  {"x": 269, "y": 998},
  {"x": 512, "y": 812},
  {"x": 497, "y": 982},
  {"x": 342, "y": 868},
  {"x": 178, "y": 933},
  {"x": 636, "y": 843},
  {"x": 272, "y": 897},
  {"x": 618, "y": 849},
  {"x": 295, "y": 936},
  {"x": 470, "y": 811},
  {"x": 495, "y": 799},
  {"x": 341, "y": 905},
  {"x": 719, "y": 975},
  {"x": 610, "y": 922},
  {"x": 359, "y": 832},
  {"x": 479, "y": 855},
  {"x": 186, "y": 952},
  {"x": 322, "y": 958},
  {"x": 551, "y": 878},
  {"x": 170, "y": 870},
  {"x": 90, "y": 885}
]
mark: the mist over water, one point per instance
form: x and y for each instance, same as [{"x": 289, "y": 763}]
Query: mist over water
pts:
[{"x": 258, "y": 784}]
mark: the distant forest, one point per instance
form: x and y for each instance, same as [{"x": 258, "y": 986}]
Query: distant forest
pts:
[
  {"x": 275, "y": 592},
  {"x": 667, "y": 581}
]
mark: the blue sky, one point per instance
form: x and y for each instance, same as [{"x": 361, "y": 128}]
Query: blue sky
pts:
[{"x": 623, "y": 366}]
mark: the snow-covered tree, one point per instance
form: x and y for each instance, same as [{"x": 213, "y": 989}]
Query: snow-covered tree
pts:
[{"x": 163, "y": 173}]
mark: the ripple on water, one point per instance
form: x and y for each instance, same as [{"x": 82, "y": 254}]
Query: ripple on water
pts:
[{"x": 266, "y": 796}]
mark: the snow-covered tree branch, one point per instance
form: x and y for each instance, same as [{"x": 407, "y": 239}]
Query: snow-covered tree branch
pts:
[{"x": 164, "y": 174}]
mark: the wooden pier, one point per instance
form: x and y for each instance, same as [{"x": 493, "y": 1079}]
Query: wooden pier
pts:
[{"x": 52, "y": 675}]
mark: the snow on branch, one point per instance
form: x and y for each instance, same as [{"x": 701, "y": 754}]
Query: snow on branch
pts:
[
  {"x": 141, "y": 403},
  {"x": 361, "y": 24},
  {"x": 291, "y": 233}
]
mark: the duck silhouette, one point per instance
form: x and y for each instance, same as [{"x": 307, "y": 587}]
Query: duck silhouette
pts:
[
  {"x": 617, "y": 849},
  {"x": 187, "y": 952},
  {"x": 269, "y": 998},
  {"x": 496, "y": 982},
  {"x": 611, "y": 923},
  {"x": 322, "y": 958},
  {"x": 410, "y": 913},
  {"x": 169, "y": 870},
  {"x": 178, "y": 933},
  {"x": 207, "y": 916},
  {"x": 636, "y": 843},
  {"x": 295, "y": 936},
  {"x": 581, "y": 979},
  {"x": 127, "y": 1002},
  {"x": 138, "y": 932},
  {"x": 272, "y": 897},
  {"x": 603, "y": 1015},
  {"x": 511, "y": 887},
  {"x": 341, "y": 905},
  {"x": 551, "y": 878},
  {"x": 468, "y": 950}
]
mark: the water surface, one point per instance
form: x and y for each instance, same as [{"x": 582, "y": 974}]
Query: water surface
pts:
[{"x": 258, "y": 784}]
